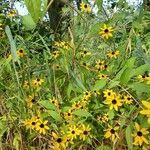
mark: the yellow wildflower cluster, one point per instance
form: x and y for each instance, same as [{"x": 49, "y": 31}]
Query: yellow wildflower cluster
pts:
[
  {"x": 37, "y": 124},
  {"x": 101, "y": 65},
  {"x": 144, "y": 78},
  {"x": 61, "y": 44},
  {"x": 62, "y": 140}
]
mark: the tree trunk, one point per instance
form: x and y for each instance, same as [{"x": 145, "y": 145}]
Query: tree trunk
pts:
[{"x": 56, "y": 16}]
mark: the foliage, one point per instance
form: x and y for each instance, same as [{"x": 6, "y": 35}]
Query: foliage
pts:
[{"x": 89, "y": 90}]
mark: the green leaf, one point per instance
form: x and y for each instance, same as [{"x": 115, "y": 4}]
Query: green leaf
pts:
[
  {"x": 103, "y": 148},
  {"x": 82, "y": 113},
  {"x": 95, "y": 29},
  {"x": 34, "y": 8},
  {"x": 140, "y": 87},
  {"x": 111, "y": 114},
  {"x": 55, "y": 115},
  {"x": 12, "y": 44},
  {"x": 113, "y": 84},
  {"x": 130, "y": 62},
  {"x": 99, "y": 4},
  {"x": 79, "y": 83},
  {"x": 100, "y": 84},
  {"x": 47, "y": 104},
  {"x": 28, "y": 22},
  {"x": 37, "y": 9},
  {"x": 129, "y": 138},
  {"x": 141, "y": 70},
  {"x": 126, "y": 76}
]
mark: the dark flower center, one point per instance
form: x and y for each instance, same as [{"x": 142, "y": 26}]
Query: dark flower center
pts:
[
  {"x": 113, "y": 53},
  {"x": 69, "y": 114},
  {"x": 21, "y": 51},
  {"x": 73, "y": 132},
  {"x": 112, "y": 131},
  {"x": 84, "y": 64},
  {"x": 38, "y": 79},
  {"x": 105, "y": 66},
  {"x": 106, "y": 30},
  {"x": 33, "y": 123},
  {"x": 128, "y": 98},
  {"x": 139, "y": 133},
  {"x": 109, "y": 93},
  {"x": 33, "y": 100},
  {"x": 86, "y": 93},
  {"x": 85, "y": 52},
  {"x": 85, "y": 132},
  {"x": 59, "y": 140},
  {"x": 41, "y": 125},
  {"x": 85, "y": 6},
  {"x": 114, "y": 101},
  {"x": 54, "y": 53}
]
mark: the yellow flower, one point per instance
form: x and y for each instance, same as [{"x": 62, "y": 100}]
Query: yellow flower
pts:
[
  {"x": 37, "y": 82},
  {"x": 106, "y": 32},
  {"x": 55, "y": 102},
  {"x": 141, "y": 78},
  {"x": 147, "y": 79},
  {"x": 99, "y": 65},
  {"x": 42, "y": 127},
  {"x": 73, "y": 132},
  {"x": 113, "y": 54},
  {"x": 127, "y": 99},
  {"x": 85, "y": 132},
  {"x": 87, "y": 94},
  {"x": 12, "y": 13},
  {"x": 139, "y": 138},
  {"x": 31, "y": 101},
  {"x": 111, "y": 133},
  {"x": 109, "y": 93},
  {"x": 85, "y": 7},
  {"x": 62, "y": 44},
  {"x": 26, "y": 85},
  {"x": 57, "y": 142},
  {"x": 114, "y": 102},
  {"x": 85, "y": 53},
  {"x": 102, "y": 76},
  {"x": 96, "y": 92},
  {"x": 68, "y": 116},
  {"x": 85, "y": 65},
  {"x": 56, "y": 67},
  {"x": 144, "y": 78},
  {"x": 31, "y": 123},
  {"x": 77, "y": 105},
  {"x": 55, "y": 54},
  {"x": 147, "y": 110},
  {"x": 103, "y": 118},
  {"x": 21, "y": 52}
]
